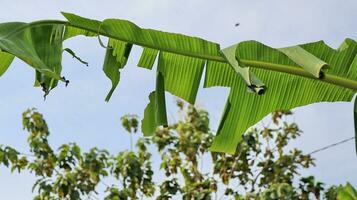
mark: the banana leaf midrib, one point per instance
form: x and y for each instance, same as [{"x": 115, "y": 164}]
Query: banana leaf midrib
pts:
[
  {"x": 329, "y": 78},
  {"x": 336, "y": 80}
]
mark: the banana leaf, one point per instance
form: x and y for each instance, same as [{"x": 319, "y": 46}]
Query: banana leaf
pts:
[
  {"x": 285, "y": 77},
  {"x": 284, "y": 91}
]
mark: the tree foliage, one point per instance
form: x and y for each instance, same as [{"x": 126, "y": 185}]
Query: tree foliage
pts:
[{"x": 262, "y": 167}]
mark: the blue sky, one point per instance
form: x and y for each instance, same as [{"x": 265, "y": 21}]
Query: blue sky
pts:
[{"x": 78, "y": 113}]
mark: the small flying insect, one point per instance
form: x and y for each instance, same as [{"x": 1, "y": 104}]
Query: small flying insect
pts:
[{"x": 237, "y": 24}]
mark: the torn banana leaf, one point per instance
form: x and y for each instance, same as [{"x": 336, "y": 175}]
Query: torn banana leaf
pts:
[
  {"x": 294, "y": 76},
  {"x": 155, "y": 111},
  {"x": 285, "y": 91},
  {"x": 149, "y": 123},
  {"x": 177, "y": 74},
  {"x": 115, "y": 59}
]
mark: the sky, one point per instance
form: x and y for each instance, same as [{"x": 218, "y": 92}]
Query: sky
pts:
[{"x": 79, "y": 113}]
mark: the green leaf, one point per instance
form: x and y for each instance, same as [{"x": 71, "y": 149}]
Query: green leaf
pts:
[
  {"x": 147, "y": 58},
  {"x": 115, "y": 59},
  {"x": 2, "y": 156},
  {"x": 148, "y": 123},
  {"x": 155, "y": 112},
  {"x": 40, "y": 46},
  {"x": 5, "y": 61},
  {"x": 76, "y": 151},
  {"x": 182, "y": 74},
  {"x": 290, "y": 74},
  {"x": 285, "y": 91},
  {"x": 177, "y": 74},
  {"x": 347, "y": 193},
  {"x": 160, "y": 103}
]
